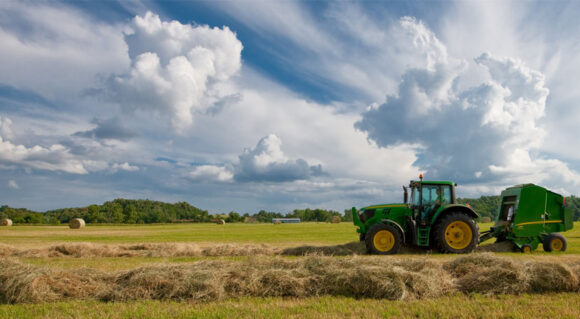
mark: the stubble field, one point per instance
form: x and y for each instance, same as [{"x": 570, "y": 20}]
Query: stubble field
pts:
[{"x": 269, "y": 271}]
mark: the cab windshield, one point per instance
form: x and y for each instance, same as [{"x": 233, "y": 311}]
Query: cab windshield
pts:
[
  {"x": 430, "y": 195},
  {"x": 415, "y": 197}
]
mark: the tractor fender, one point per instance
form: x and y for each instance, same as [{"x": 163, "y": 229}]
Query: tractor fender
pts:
[
  {"x": 455, "y": 208},
  {"x": 394, "y": 223}
]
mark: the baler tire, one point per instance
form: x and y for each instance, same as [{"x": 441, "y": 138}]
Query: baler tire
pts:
[
  {"x": 390, "y": 233},
  {"x": 526, "y": 249},
  {"x": 555, "y": 242},
  {"x": 461, "y": 220}
]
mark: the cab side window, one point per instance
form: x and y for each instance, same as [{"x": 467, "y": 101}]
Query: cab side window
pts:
[{"x": 446, "y": 192}]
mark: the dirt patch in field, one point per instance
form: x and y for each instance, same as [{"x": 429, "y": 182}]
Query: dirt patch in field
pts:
[{"x": 358, "y": 277}]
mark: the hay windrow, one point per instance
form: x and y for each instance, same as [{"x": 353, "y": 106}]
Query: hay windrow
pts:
[
  {"x": 264, "y": 276},
  {"x": 84, "y": 250},
  {"x": 352, "y": 248},
  {"x": 498, "y": 247}
]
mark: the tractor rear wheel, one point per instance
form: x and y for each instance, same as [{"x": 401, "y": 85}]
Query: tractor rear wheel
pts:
[
  {"x": 383, "y": 239},
  {"x": 456, "y": 233},
  {"x": 555, "y": 242}
]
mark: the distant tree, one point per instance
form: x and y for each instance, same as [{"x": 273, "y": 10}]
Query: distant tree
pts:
[
  {"x": 234, "y": 217},
  {"x": 347, "y": 217},
  {"x": 130, "y": 214}
]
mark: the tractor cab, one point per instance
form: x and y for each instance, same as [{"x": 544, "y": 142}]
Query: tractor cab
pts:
[{"x": 427, "y": 197}]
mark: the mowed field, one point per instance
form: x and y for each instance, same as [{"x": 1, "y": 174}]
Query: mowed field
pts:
[{"x": 146, "y": 270}]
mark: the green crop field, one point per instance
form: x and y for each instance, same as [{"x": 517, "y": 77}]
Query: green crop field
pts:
[{"x": 28, "y": 241}]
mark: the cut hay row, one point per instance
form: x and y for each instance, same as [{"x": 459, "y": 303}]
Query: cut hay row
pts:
[
  {"x": 83, "y": 250},
  {"x": 370, "y": 277}
]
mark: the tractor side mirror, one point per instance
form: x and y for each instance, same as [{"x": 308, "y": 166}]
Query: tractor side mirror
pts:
[{"x": 405, "y": 195}]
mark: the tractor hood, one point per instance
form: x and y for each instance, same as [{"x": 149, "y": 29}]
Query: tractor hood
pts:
[{"x": 384, "y": 206}]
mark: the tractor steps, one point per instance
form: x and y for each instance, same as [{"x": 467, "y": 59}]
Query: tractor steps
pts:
[{"x": 423, "y": 235}]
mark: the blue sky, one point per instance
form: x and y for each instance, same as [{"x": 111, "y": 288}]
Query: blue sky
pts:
[{"x": 276, "y": 105}]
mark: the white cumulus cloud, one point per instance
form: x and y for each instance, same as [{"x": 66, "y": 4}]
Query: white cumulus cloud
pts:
[
  {"x": 211, "y": 173},
  {"x": 53, "y": 158},
  {"x": 486, "y": 132},
  {"x": 177, "y": 69},
  {"x": 266, "y": 162}
]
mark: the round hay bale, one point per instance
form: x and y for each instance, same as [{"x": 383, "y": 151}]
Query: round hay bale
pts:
[
  {"x": 220, "y": 222},
  {"x": 277, "y": 222},
  {"x": 335, "y": 220},
  {"x": 5, "y": 222},
  {"x": 76, "y": 223}
]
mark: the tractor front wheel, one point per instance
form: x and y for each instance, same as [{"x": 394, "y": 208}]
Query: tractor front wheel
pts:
[
  {"x": 383, "y": 239},
  {"x": 555, "y": 242},
  {"x": 456, "y": 233}
]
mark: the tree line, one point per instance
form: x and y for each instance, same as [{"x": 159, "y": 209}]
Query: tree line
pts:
[{"x": 130, "y": 211}]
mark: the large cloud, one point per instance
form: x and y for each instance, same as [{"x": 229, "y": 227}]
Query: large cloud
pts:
[
  {"x": 481, "y": 132},
  {"x": 177, "y": 69}
]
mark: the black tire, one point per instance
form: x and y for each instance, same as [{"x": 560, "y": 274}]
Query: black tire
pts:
[
  {"x": 362, "y": 237},
  {"x": 465, "y": 225},
  {"x": 391, "y": 240},
  {"x": 526, "y": 249},
  {"x": 555, "y": 242}
]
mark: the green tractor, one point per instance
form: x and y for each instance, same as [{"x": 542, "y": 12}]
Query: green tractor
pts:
[
  {"x": 530, "y": 215},
  {"x": 432, "y": 219}
]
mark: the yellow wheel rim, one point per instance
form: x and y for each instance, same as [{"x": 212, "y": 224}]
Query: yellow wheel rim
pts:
[
  {"x": 527, "y": 249},
  {"x": 458, "y": 235},
  {"x": 557, "y": 244},
  {"x": 384, "y": 240}
]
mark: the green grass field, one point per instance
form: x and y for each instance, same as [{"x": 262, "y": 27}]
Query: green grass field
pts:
[
  {"x": 560, "y": 305},
  {"x": 550, "y": 306},
  {"x": 279, "y": 235}
]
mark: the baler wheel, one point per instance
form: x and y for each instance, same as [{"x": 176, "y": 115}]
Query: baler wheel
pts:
[
  {"x": 555, "y": 242},
  {"x": 526, "y": 249},
  {"x": 383, "y": 239},
  {"x": 456, "y": 233}
]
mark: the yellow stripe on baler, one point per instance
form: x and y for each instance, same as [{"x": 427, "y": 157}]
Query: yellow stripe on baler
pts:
[{"x": 540, "y": 222}]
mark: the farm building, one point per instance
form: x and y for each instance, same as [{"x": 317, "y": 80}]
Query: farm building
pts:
[{"x": 285, "y": 220}]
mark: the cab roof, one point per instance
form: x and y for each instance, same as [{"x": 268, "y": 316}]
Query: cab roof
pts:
[{"x": 435, "y": 182}]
